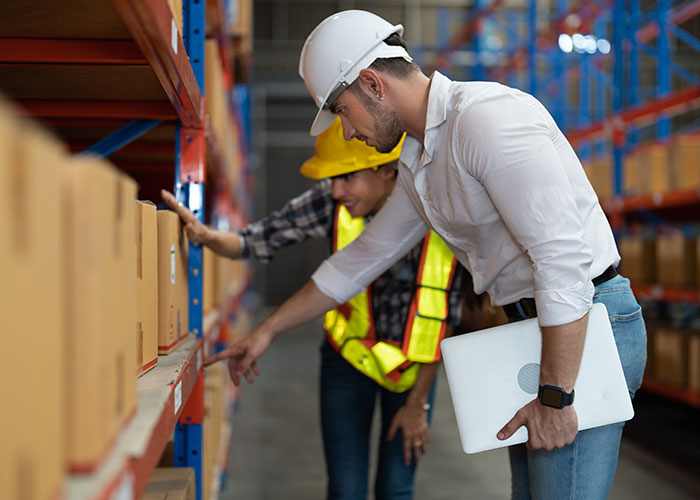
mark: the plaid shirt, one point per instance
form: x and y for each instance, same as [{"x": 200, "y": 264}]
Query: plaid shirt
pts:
[{"x": 310, "y": 215}]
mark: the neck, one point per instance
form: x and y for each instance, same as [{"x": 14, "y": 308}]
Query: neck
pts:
[{"x": 412, "y": 104}]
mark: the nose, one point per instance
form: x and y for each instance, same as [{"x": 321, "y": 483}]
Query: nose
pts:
[
  {"x": 337, "y": 188},
  {"x": 348, "y": 131}
]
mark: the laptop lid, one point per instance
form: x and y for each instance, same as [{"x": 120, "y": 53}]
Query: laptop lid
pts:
[{"x": 493, "y": 373}]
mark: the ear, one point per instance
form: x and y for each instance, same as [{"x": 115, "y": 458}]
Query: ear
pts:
[{"x": 371, "y": 82}]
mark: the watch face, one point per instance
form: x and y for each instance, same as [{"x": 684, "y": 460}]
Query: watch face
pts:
[{"x": 552, "y": 397}]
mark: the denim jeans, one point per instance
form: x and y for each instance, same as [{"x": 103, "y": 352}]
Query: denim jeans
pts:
[
  {"x": 347, "y": 404},
  {"x": 585, "y": 469}
]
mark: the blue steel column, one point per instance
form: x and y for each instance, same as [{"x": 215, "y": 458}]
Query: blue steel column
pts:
[
  {"x": 618, "y": 88},
  {"x": 188, "y": 437},
  {"x": 477, "y": 42},
  {"x": 634, "y": 82},
  {"x": 532, "y": 46},
  {"x": 560, "y": 73},
  {"x": 663, "y": 127}
]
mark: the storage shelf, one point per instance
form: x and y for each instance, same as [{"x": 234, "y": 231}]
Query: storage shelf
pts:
[
  {"x": 685, "y": 396},
  {"x": 667, "y": 294},
  {"x": 162, "y": 393},
  {"x": 671, "y": 199}
]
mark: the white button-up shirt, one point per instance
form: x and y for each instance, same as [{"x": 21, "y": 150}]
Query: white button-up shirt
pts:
[{"x": 499, "y": 182}]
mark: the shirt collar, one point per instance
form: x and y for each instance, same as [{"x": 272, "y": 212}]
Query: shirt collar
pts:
[{"x": 436, "y": 114}]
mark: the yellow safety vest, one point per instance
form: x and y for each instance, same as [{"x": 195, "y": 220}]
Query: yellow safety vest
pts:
[{"x": 350, "y": 327}]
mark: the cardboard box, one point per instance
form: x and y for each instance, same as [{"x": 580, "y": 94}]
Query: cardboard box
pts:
[
  {"x": 147, "y": 277},
  {"x": 177, "y": 483},
  {"x": 170, "y": 277},
  {"x": 671, "y": 356},
  {"x": 694, "y": 362},
  {"x": 87, "y": 229},
  {"x": 121, "y": 296},
  {"x": 630, "y": 174},
  {"x": 599, "y": 170},
  {"x": 32, "y": 382},
  {"x": 649, "y": 170},
  {"x": 676, "y": 259},
  {"x": 684, "y": 158},
  {"x": 176, "y": 9},
  {"x": 182, "y": 286},
  {"x": 638, "y": 255},
  {"x": 209, "y": 280}
]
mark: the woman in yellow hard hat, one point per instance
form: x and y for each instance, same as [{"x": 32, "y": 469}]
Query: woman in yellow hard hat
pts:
[{"x": 384, "y": 341}]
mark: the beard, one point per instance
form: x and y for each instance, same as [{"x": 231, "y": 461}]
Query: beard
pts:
[{"x": 388, "y": 128}]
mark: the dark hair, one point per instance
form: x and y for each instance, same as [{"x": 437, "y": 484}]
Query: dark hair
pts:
[{"x": 394, "y": 66}]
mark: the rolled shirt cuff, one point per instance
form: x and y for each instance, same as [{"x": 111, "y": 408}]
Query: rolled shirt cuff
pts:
[
  {"x": 566, "y": 305},
  {"x": 335, "y": 284}
]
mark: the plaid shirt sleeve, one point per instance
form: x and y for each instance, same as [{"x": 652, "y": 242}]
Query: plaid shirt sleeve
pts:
[{"x": 309, "y": 215}]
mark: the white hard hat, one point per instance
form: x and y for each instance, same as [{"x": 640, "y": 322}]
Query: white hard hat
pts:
[{"x": 337, "y": 50}]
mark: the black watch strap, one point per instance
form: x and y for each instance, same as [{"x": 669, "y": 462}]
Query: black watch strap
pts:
[{"x": 555, "y": 397}]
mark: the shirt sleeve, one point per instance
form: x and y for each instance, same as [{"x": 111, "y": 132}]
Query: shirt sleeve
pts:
[
  {"x": 395, "y": 229},
  {"x": 508, "y": 144},
  {"x": 309, "y": 215}
]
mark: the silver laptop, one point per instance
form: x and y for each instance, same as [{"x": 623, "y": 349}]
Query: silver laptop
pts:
[{"x": 493, "y": 373}]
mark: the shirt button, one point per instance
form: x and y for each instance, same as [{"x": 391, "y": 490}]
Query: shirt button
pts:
[{"x": 426, "y": 197}]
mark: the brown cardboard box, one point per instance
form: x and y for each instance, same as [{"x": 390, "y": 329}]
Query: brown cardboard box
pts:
[
  {"x": 638, "y": 258},
  {"x": 176, "y": 9},
  {"x": 32, "y": 379},
  {"x": 121, "y": 296},
  {"x": 694, "y": 362},
  {"x": 653, "y": 169},
  {"x": 676, "y": 260},
  {"x": 170, "y": 325},
  {"x": 630, "y": 176},
  {"x": 209, "y": 280},
  {"x": 599, "y": 170},
  {"x": 671, "y": 356},
  {"x": 176, "y": 483},
  {"x": 183, "y": 285},
  {"x": 87, "y": 229},
  {"x": 684, "y": 155},
  {"x": 147, "y": 276}
]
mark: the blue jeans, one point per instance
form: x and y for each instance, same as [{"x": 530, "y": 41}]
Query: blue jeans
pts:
[
  {"x": 347, "y": 405},
  {"x": 585, "y": 469}
]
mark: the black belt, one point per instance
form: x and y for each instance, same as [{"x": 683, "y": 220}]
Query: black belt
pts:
[{"x": 526, "y": 308}]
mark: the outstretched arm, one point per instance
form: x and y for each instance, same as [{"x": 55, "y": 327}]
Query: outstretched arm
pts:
[{"x": 306, "y": 304}]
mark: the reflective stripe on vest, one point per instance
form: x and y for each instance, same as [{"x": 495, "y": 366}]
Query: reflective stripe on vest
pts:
[{"x": 350, "y": 327}]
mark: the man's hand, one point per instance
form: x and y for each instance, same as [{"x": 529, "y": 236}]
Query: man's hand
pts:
[
  {"x": 412, "y": 419},
  {"x": 196, "y": 231},
  {"x": 547, "y": 428},
  {"x": 242, "y": 356}
]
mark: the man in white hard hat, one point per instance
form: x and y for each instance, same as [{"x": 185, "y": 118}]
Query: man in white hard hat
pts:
[{"x": 486, "y": 168}]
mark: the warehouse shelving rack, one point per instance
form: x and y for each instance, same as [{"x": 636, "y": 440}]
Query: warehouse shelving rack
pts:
[
  {"x": 596, "y": 98},
  {"x": 119, "y": 78}
]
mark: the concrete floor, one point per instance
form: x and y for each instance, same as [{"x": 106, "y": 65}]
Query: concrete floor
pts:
[{"x": 277, "y": 453}]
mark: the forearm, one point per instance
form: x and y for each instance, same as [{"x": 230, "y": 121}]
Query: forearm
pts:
[
  {"x": 426, "y": 375},
  {"x": 562, "y": 347},
  {"x": 226, "y": 244},
  {"x": 306, "y": 304}
]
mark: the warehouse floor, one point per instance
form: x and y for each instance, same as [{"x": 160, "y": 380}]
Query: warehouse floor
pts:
[{"x": 277, "y": 453}]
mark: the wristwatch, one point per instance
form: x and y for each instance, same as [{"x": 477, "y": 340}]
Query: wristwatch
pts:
[{"x": 555, "y": 397}]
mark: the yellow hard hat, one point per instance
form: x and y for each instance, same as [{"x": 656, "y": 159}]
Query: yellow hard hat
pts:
[{"x": 336, "y": 156}]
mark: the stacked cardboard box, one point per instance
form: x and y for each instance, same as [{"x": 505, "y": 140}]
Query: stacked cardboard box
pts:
[
  {"x": 171, "y": 483},
  {"x": 172, "y": 282},
  {"x": 676, "y": 259},
  {"x": 147, "y": 276},
  {"x": 684, "y": 159},
  {"x": 671, "y": 356},
  {"x": 638, "y": 253},
  {"x": 599, "y": 172},
  {"x": 33, "y": 338}
]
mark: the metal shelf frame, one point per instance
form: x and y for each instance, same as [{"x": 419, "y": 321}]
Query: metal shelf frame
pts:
[{"x": 172, "y": 394}]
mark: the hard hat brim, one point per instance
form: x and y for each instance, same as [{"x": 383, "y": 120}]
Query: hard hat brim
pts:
[{"x": 324, "y": 119}]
